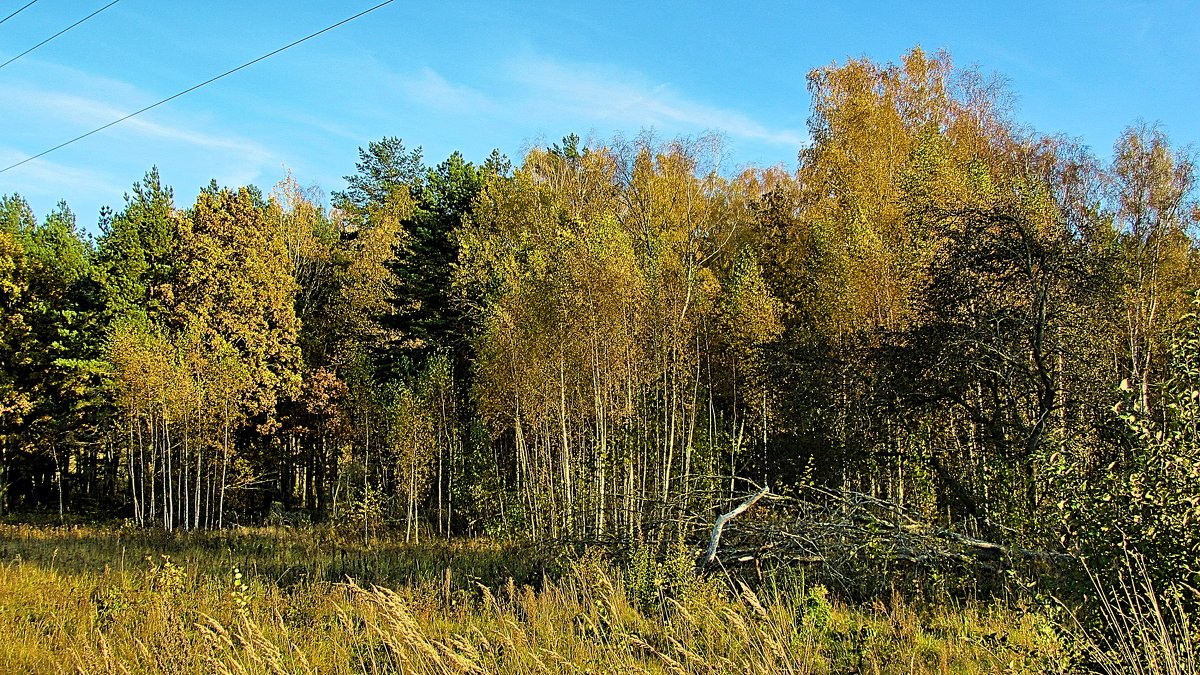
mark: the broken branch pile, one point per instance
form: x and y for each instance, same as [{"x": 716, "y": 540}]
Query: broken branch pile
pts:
[{"x": 857, "y": 541}]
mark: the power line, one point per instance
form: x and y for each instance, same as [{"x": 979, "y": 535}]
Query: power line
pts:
[
  {"x": 58, "y": 33},
  {"x": 18, "y": 11},
  {"x": 195, "y": 87}
]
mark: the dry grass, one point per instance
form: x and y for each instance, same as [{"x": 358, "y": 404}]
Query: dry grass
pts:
[
  {"x": 1140, "y": 631},
  {"x": 70, "y": 602}
]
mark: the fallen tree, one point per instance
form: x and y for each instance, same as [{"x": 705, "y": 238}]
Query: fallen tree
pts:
[{"x": 859, "y": 542}]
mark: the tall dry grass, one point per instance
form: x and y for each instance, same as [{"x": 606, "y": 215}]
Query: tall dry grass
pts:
[
  {"x": 188, "y": 613},
  {"x": 1141, "y": 631}
]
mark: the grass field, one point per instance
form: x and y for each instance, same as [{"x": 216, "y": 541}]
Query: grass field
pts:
[{"x": 267, "y": 600}]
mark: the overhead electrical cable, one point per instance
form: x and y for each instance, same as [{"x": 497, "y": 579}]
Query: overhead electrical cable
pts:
[
  {"x": 18, "y": 11},
  {"x": 195, "y": 87},
  {"x": 58, "y": 33}
]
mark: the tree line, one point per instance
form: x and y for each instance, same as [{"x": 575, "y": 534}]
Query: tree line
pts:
[{"x": 938, "y": 307}]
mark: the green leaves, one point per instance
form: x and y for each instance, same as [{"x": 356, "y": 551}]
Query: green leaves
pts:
[
  {"x": 1149, "y": 500},
  {"x": 236, "y": 284}
]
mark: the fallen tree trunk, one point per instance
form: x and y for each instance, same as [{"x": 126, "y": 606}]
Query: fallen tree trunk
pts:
[{"x": 715, "y": 540}]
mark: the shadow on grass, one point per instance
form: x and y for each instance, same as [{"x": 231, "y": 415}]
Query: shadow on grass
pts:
[{"x": 283, "y": 557}]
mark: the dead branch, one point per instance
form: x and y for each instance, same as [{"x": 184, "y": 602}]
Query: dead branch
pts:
[
  {"x": 715, "y": 540},
  {"x": 856, "y": 540}
]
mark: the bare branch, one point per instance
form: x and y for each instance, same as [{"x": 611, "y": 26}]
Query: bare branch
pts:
[{"x": 726, "y": 517}]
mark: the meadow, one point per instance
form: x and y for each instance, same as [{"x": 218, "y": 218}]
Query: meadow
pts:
[{"x": 93, "y": 599}]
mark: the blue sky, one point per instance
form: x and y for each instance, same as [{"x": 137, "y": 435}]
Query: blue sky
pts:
[{"x": 507, "y": 75}]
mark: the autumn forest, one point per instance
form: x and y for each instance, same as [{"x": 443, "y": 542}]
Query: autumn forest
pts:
[{"x": 936, "y": 312}]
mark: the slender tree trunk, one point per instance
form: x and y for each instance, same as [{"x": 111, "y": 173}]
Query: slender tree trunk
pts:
[
  {"x": 443, "y": 446},
  {"x": 152, "y": 431},
  {"x": 764, "y": 435},
  {"x": 3, "y": 475},
  {"x": 59, "y": 480},
  {"x": 568, "y": 491},
  {"x": 412, "y": 495},
  {"x": 322, "y": 478},
  {"x": 137, "y": 510},
  {"x": 691, "y": 432},
  {"x": 601, "y": 459},
  {"x": 168, "y": 479},
  {"x": 185, "y": 507},
  {"x": 199, "y": 472},
  {"x": 224, "y": 470},
  {"x": 366, "y": 476}
]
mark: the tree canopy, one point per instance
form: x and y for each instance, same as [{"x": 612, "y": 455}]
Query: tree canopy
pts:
[{"x": 938, "y": 308}]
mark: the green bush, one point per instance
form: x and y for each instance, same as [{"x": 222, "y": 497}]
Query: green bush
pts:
[{"x": 1146, "y": 500}]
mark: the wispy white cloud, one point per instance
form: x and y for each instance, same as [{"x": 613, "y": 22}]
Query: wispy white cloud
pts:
[
  {"x": 629, "y": 98},
  {"x": 536, "y": 89},
  {"x": 523, "y": 95},
  {"x": 88, "y": 113},
  {"x": 327, "y": 126},
  {"x": 55, "y": 178},
  {"x": 48, "y": 104},
  {"x": 431, "y": 89}
]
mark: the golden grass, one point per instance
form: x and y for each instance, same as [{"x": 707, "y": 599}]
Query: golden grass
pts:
[{"x": 70, "y": 602}]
